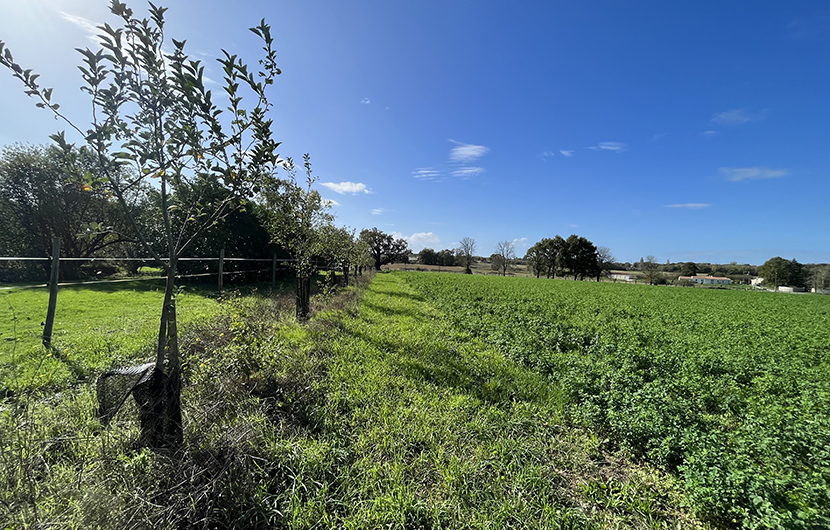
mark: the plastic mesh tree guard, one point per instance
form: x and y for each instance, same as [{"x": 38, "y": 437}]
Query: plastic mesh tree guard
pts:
[{"x": 115, "y": 386}]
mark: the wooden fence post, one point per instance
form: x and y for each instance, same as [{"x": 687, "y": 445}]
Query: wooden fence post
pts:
[
  {"x": 274, "y": 270},
  {"x": 221, "y": 267},
  {"x": 53, "y": 292}
]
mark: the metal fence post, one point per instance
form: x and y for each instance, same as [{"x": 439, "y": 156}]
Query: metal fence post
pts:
[{"x": 53, "y": 292}]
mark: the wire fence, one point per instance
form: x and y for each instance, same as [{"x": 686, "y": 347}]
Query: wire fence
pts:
[{"x": 56, "y": 259}]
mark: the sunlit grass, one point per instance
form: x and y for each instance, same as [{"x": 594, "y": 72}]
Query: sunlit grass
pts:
[{"x": 95, "y": 326}]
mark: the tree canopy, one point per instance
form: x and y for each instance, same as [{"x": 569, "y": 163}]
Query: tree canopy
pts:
[
  {"x": 384, "y": 247},
  {"x": 778, "y": 271}
]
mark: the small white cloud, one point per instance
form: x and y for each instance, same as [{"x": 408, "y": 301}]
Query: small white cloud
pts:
[
  {"x": 378, "y": 211},
  {"x": 421, "y": 240},
  {"x": 709, "y": 133},
  {"x": 736, "y": 174},
  {"x": 330, "y": 202},
  {"x": 617, "y": 147},
  {"x": 426, "y": 173},
  {"x": 346, "y": 187},
  {"x": 466, "y": 153},
  {"x": 689, "y": 205},
  {"x": 572, "y": 225},
  {"x": 85, "y": 24},
  {"x": 546, "y": 154},
  {"x": 467, "y": 172},
  {"x": 365, "y": 101},
  {"x": 737, "y": 116},
  {"x": 520, "y": 242},
  {"x": 567, "y": 152}
]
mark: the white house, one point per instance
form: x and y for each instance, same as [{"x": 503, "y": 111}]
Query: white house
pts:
[
  {"x": 623, "y": 276},
  {"x": 706, "y": 280}
]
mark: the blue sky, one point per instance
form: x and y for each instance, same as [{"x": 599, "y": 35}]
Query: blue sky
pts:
[{"x": 685, "y": 130}]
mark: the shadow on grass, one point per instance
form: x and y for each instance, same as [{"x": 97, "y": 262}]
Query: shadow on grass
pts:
[{"x": 426, "y": 355}]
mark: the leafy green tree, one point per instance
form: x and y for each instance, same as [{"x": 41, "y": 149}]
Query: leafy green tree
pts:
[
  {"x": 688, "y": 269},
  {"x": 297, "y": 217},
  {"x": 338, "y": 251},
  {"x": 580, "y": 257},
  {"x": 778, "y": 271},
  {"x": 446, "y": 258},
  {"x": 546, "y": 257},
  {"x": 151, "y": 110},
  {"x": 428, "y": 256},
  {"x": 39, "y": 200},
  {"x": 535, "y": 259},
  {"x": 384, "y": 247}
]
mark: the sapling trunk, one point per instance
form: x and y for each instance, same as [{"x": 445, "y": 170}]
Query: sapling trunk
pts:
[{"x": 303, "y": 297}]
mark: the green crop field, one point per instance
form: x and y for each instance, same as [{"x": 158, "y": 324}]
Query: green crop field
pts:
[
  {"x": 95, "y": 326},
  {"x": 729, "y": 389},
  {"x": 427, "y": 400}
]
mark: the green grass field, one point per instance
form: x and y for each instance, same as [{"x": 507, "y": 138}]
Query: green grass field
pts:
[{"x": 95, "y": 326}]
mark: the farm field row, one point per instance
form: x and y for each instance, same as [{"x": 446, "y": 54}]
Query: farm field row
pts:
[{"x": 728, "y": 389}]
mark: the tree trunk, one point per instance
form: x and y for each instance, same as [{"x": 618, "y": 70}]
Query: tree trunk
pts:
[
  {"x": 160, "y": 400},
  {"x": 303, "y": 298},
  {"x": 346, "y": 274}
]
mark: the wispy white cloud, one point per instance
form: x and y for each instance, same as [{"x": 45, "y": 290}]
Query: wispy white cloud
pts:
[
  {"x": 737, "y": 116},
  {"x": 379, "y": 211},
  {"x": 572, "y": 225},
  {"x": 365, "y": 101},
  {"x": 658, "y": 136},
  {"x": 346, "y": 187},
  {"x": 466, "y": 153},
  {"x": 85, "y": 24},
  {"x": 330, "y": 202},
  {"x": 735, "y": 174},
  {"x": 520, "y": 242},
  {"x": 617, "y": 147},
  {"x": 467, "y": 172},
  {"x": 426, "y": 173},
  {"x": 544, "y": 155},
  {"x": 709, "y": 133},
  {"x": 689, "y": 205},
  {"x": 567, "y": 152}
]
